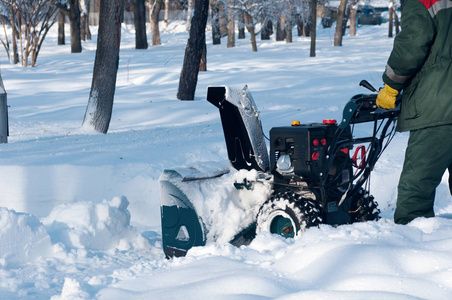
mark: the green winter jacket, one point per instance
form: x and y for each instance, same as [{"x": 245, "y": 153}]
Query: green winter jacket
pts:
[{"x": 420, "y": 64}]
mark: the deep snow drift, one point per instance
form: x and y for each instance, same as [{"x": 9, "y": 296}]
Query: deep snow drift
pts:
[{"x": 80, "y": 212}]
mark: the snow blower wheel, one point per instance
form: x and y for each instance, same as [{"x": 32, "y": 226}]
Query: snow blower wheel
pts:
[
  {"x": 364, "y": 207},
  {"x": 287, "y": 214}
]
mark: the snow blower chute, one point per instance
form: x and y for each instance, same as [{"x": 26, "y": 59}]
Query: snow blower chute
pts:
[{"x": 314, "y": 174}]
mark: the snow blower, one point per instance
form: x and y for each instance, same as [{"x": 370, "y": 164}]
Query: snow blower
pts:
[{"x": 315, "y": 173}]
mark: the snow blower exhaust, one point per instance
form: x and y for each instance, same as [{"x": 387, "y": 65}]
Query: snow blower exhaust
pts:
[{"x": 315, "y": 173}]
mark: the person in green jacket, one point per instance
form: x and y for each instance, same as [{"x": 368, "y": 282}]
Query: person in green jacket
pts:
[{"x": 420, "y": 64}]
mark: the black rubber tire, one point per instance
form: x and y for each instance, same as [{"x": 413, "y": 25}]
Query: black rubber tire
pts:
[
  {"x": 299, "y": 212},
  {"x": 364, "y": 207}
]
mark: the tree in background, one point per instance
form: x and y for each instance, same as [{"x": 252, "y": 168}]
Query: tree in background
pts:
[
  {"x": 353, "y": 5},
  {"x": 14, "y": 32},
  {"x": 248, "y": 13},
  {"x": 166, "y": 15},
  {"x": 71, "y": 9},
  {"x": 215, "y": 21},
  {"x": 396, "y": 20},
  {"x": 100, "y": 103},
  {"x": 223, "y": 19},
  {"x": 241, "y": 27},
  {"x": 61, "y": 35},
  {"x": 155, "y": 8},
  {"x": 253, "y": 11},
  {"x": 85, "y": 33},
  {"x": 390, "y": 10},
  {"x": 266, "y": 30},
  {"x": 313, "y": 27},
  {"x": 280, "y": 28},
  {"x": 284, "y": 13},
  {"x": 193, "y": 51},
  {"x": 249, "y": 23},
  {"x": 10, "y": 19},
  {"x": 74, "y": 19},
  {"x": 231, "y": 23},
  {"x": 139, "y": 17},
  {"x": 339, "y": 33},
  {"x": 290, "y": 11},
  {"x": 189, "y": 13},
  {"x": 79, "y": 22},
  {"x": 203, "y": 61},
  {"x": 29, "y": 22},
  {"x": 306, "y": 18}
]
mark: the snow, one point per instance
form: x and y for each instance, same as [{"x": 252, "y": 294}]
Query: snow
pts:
[
  {"x": 102, "y": 226},
  {"x": 80, "y": 211}
]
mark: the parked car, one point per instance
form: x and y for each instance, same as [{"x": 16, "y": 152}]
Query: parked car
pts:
[{"x": 367, "y": 15}]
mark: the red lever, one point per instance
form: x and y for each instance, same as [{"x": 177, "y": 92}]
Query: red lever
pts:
[
  {"x": 315, "y": 155},
  {"x": 359, "y": 158}
]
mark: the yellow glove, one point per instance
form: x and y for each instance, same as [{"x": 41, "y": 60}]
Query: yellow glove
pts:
[{"x": 387, "y": 97}]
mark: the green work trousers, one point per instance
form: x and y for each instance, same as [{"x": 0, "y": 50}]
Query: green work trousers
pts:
[{"x": 428, "y": 155}]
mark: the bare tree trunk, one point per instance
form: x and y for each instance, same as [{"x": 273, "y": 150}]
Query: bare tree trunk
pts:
[
  {"x": 241, "y": 26},
  {"x": 22, "y": 36},
  {"x": 193, "y": 51},
  {"x": 339, "y": 24},
  {"x": 139, "y": 17},
  {"x": 307, "y": 26},
  {"x": 299, "y": 23},
  {"x": 313, "y": 26},
  {"x": 203, "y": 62},
  {"x": 165, "y": 18},
  {"x": 266, "y": 30},
  {"x": 189, "y": 14},
  {"x": 84, "y": 10},
  {"x": 14, "y": 35},
  {"x": 100, "y": 104},
  {"x": 391, "y": 6},
  {"x": 280, "y": 32},
  {"x": 23, "y": 56},
  {"x": 5, "y": 42},
  {"x": 223, "y": 21},
  {"x": 38, "y": 45},
  {"x": 61, "y": 36},
  {"x": 396, "y": 22},
  {"x": 231, "y": 29},
  {"x": 215, "y": 20},
  {"x": 353, "y": 18},
  {"x": 307, "y": 16},
  {"x": 34, "y": 54},
  {"x": 250, "y": 26},
  {"x": 289, "y": 31},
  {"x": 87, "y": 31},
  {"x": 155, "y": 12},
  {"x": 74, "y": 18},
  {"x": 82, "y": 27}
]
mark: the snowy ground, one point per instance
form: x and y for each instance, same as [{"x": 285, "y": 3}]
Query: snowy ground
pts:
[{"x": 80, "y": 216}]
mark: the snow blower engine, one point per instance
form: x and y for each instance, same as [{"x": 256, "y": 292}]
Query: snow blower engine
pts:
[{"x": 317, "y": 173}]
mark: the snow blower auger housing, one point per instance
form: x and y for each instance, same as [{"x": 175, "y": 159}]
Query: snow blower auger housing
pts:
[{"x": 315, "y": 173}]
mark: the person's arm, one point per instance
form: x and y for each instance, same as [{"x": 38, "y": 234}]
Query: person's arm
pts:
[{"x": 411, "y": 45}]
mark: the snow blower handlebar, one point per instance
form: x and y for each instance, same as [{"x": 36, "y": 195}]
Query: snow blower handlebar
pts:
[{"x": 362, "y": 108}]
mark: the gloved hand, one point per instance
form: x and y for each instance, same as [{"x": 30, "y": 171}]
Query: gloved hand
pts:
[{"x": 387, "y": 97}]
